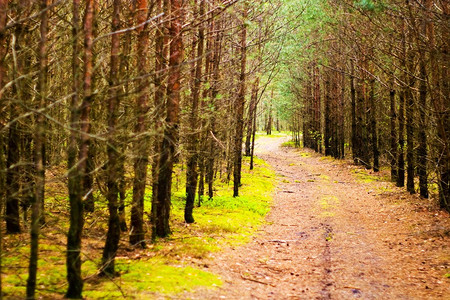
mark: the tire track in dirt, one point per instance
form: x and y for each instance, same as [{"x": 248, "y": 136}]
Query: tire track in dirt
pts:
[{"x": 332, "y": 236}]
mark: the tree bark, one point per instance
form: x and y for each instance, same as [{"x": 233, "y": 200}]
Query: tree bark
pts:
[
  {"x": 251, "y": 109},
  {"x": 355, "y": 142},
  {"x": 444, "y": 117},
  {"x": 373, "y": 127},
  {"x": 240, "y": 103},
  {"x": 161, "y": 60},
  {"x": 170, "y": 140},
  {"x": 410, "y": 123},
  {"x": 141, "y": 145},
  {"x": 113, "y": 164},
  {"x": 393, "y": 135},
  {"x": 422, "y": 153},
  {"x": 77, "y": 171},
  {"x": 39, "y": 143},
  {"x": 251, "y": 115},
  {"x": 192, "y": 147},
  {"x": 3, "y": 17},
  {"x": 327, "y": 135}
]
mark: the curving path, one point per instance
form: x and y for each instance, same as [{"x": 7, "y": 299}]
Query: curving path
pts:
[{"x": 335, "y": 233}]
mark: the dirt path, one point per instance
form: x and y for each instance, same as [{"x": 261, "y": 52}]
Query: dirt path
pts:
[{"x": 334, "y": 234}]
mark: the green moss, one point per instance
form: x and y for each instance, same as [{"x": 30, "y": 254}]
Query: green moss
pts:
[
  {"x": 288, "y": 144},
  {"x": 364, "y": 177},
  {"x": 275, "y": 134},
  {"x": 143, "y": 278},
  {"x": 324, "y": 177},
  {"x": 327, "y": 205},
  {"x": 145, "y": 274}
]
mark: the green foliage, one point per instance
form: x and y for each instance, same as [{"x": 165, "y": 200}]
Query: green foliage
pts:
[
  {"x": 366, "y": 4},
  {"x": 370, "y": 5}
]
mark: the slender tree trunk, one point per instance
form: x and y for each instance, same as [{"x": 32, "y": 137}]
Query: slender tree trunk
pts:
[
  {"x": 39, "y": 142},
  {"x": 355, "y": 142},
  {"x": 251, "y": 115},
  {"x": 422, "y": 155},
  {"x": 15, "y": 151},
  {"x": 401, "y": 114},
  {"x": 373, "y": 127},
  {"x": 215, "y": 70},
  {"x": 161, "y": 60},
  {"x": 252, "y": 107},
  {"x": 3, "y": 17},
  {"x": 317, "y": 105},
  {"x": 444, "y": 117},
  {"x": 12, "y": 177},
  {"x": 327, "y": 135},
  {"x": 393, "y": 136},
  {"x": 141, "y": 144},
  {"x": 342, "y": 117},
  {"x": 73, "y": 262},
  {"x": 170, "y": 139},
  {"x": 240, "y": 103},
  {"x": 123, "y": 134},
  {"x": 401, "y": 141},
  {"x": 113, "y": 164},
  {"x": 76, "y": 181},
  {"x": 410, "y": 125},
  {"x": 192, "y": 159}
]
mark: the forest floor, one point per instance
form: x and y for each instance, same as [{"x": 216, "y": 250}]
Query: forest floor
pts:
[{"x": 336, "y": 231}]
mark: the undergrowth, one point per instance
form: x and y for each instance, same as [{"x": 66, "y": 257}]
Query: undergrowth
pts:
[{"x": 167, "y": 267}]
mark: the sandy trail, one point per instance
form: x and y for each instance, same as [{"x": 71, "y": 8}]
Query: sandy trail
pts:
[{"x": 334, "y": 235}]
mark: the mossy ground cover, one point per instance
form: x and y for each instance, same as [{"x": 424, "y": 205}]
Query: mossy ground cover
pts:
[
  {"x": 274, "y": 134},
  {"x": 167, "y": 267}
]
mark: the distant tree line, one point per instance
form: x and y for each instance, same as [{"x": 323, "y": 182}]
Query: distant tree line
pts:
[{"x": 374, "y": 82}]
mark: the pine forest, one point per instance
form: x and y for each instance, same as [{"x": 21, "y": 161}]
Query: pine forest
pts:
[{"x": 224, "y": 149}]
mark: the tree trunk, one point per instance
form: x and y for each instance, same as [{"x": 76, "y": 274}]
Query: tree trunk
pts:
[
  {"x": 444, "y": 118},
  {"x": 161, "y": 60},
  {"x": 192, "y": 147},
  {"x": 327, "y": 135},
  {"x": 422, "y": 155},
  {"x": 39, "y": 142},
  {"x": 170, "y": 140},
  {"x": 3, "y": 17},
  {"x": 251, "y": 109},
  {"x": 12, "y": 216},
  {"x": 141, "y": 145},
  {"x": 393, "y": 136},
  {"x": 410, "y": 124},
  {"x": 401, "y": 141},
  {"x": 355, "y": 142},
  {"x": 76, "y": 176},
  {"x": 240, "y": 103},
  {"x": 252, "y": 152},
  {"x": 317, "y": 105},
  {"x": 251, "y": 115},
  {"x": 113, "y": 164},
  {"x": 342, "y": 117},
  {"x": 373, "y": 127},
  {"x": 215, "y": 70},
  {"x": 15, "y": 151}
]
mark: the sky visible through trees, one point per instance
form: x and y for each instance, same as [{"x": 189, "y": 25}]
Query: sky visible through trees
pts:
[{"x": 109, "y": 108}]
